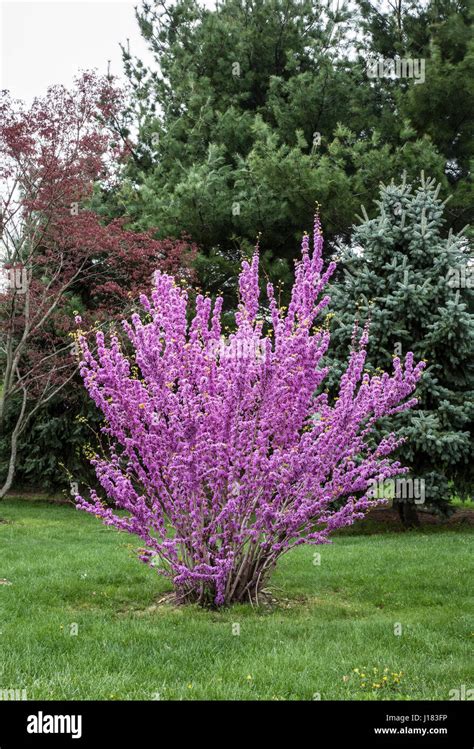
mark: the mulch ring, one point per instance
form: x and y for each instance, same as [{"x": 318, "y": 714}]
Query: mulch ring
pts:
[{"x": 390, "y": 518}]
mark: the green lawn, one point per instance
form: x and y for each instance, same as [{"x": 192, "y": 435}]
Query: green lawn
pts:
[{"x": 65, "y": 567}]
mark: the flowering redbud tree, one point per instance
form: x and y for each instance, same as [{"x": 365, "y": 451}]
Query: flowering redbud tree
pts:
[{"x": 227, "y": 456}]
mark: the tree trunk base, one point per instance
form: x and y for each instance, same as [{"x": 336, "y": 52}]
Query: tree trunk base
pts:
[{"x": 407, "y": 514}]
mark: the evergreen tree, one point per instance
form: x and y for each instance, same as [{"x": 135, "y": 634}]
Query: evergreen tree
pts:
[
  {"x": 439, "y": 33},
  {"x": 251, "y": 112},
  {"x": 415, "y": 286}
]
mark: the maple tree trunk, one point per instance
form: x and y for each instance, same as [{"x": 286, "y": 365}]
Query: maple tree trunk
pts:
[{"x": 20, "y": 423}]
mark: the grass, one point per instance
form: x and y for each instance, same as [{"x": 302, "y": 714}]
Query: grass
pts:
[
  {"x": 64, "y": 567},
  {"x": 463, "y": 504}
]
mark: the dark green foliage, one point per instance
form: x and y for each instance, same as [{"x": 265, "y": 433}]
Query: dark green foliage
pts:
[
  {"x": 440, "y": 32},
  {"x": 253, "y": 111},
  {"x": 52, "y": 453}
]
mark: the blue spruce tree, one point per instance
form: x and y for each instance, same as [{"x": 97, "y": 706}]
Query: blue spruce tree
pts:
[{"x": 415, "y": 283}]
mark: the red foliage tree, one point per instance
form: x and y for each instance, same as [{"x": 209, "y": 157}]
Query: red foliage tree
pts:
[{"x": 54, "y": 250}]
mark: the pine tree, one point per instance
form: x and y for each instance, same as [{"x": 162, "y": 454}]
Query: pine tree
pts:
[
  {"x": 249, "y": 113},
  {"x": 415, "y": 285},
  {"x": 438, "y": 32}
]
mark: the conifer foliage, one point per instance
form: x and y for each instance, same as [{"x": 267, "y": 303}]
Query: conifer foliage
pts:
[{"x": 415, "y": 285}]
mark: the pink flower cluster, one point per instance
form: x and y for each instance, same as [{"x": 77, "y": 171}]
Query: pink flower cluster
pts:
[{"x": 224, "y": 463}]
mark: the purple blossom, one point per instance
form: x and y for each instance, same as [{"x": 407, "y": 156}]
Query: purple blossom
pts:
[{"x": 223, "y": 462}]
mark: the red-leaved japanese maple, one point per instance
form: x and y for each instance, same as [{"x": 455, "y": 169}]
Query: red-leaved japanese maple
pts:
[{"x": 54, "y": 249}]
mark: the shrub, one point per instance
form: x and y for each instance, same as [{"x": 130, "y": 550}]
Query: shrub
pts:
[{"x": 226, "y": 457}]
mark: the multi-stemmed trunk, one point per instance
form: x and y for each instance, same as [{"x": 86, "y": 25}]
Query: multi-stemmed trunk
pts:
[{"x": 245, "y": 582}]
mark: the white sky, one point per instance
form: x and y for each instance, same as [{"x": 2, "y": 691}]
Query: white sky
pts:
[
  {"x": 49, "y": 41},
  {"x": 42, "y": 43}
]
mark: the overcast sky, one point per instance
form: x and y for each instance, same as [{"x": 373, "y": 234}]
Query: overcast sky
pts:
[
  {"x": 45, "y": 42},
  {"x": 49, "y": 42}
]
